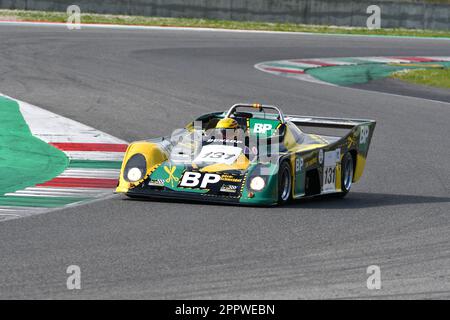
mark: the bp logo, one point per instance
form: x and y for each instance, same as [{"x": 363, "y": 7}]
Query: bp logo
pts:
[
  {"x": 198, "y": 180},
  {"x": 364, "y": 134},
  {"x": 262, "y": 128}
]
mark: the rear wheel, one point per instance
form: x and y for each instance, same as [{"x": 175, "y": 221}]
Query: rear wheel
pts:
[
  {"x": 347, "y": 174},
  {"x": 284, "y": 183}
]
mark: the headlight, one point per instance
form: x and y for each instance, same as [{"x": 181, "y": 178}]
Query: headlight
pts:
[
  {"x": 257, "y": 184},
  {"x": 136, "y": 168},
  {"x": 134, "y": 174}
]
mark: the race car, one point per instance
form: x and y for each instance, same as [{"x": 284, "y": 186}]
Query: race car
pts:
[{"x": 251, "y": 154}]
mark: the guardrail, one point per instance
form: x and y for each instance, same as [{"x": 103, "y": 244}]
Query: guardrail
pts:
[{"x": 421, "y": 14}]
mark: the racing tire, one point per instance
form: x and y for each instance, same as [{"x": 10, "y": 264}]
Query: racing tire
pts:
[
  {"x": 347, "y": 172},
  {"x": 284, "y": 183}
]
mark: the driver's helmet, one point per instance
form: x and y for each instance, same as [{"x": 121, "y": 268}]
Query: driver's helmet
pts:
[{"x": 227, "y": 123}]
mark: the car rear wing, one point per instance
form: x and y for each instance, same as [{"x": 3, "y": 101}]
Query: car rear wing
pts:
[{"x": 326, "y": 122}]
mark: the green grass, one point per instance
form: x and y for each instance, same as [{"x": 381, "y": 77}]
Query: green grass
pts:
[
  {"x": 21, "y": 15},
  {"x": 432, "y": 77}
]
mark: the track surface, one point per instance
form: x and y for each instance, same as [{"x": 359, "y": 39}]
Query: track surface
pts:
[{"x": 140, "y": 84}]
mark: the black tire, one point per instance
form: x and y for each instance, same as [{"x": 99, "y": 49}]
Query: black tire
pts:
[
  {"x": 284, "y": 183},
  {"x": 347, "y": 172}
]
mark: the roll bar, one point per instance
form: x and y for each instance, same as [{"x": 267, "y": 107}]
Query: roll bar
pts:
[{"x": 258, "y": 106}]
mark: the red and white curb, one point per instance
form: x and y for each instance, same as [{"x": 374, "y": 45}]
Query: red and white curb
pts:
[
  {"x": 297, "y": 68},
  {"x": 94, "y": 163}
]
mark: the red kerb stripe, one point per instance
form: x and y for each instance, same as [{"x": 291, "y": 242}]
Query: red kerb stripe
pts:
[
  {"x": 78, "y": 146},
  {"x": 80, "y": 183},
  {"x": 285, "y": 70},
  {"x": 322, "y": 64}
]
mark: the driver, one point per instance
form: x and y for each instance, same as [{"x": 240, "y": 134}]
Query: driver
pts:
[
  {"x": 232, "y": 131},
  {"x": 227, "y": 123}
]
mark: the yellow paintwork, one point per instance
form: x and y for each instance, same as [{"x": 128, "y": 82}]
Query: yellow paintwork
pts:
[
  {"x": 360, "y": 164},
  {"x": 153, "y": 154},
  {"x": 289, "y": 140},
  {"x": 306, "y": 147},
  {"x": 293, "y": 173},
  {"x": 318, "y": 138},
  {"x": 338, "y": 176}
]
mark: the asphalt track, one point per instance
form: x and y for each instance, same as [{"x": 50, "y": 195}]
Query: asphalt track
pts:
[{"x": 140, "y": 84}]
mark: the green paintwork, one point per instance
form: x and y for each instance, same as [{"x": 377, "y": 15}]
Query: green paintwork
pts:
[
  {"x": 299, "y": 178},
  {"x": 171, "y": 182},
  {"x": 256, "y": 122},
  {"x": 268, "y": 195},
  {"x": 24, "y": 159}
]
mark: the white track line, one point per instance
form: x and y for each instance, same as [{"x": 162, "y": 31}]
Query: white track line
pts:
[
  {"x": 92, "y": 173},
  {"x": 95, "y": 155},
  {"x": 297, "y": 64},
  {"x": 72, "y": 190},
  {"x": 19, "y": 209},
  {"x": 381, "y": 59},
  {"x": 51, "y": 127},
  {"x": 25, "y": 193}
]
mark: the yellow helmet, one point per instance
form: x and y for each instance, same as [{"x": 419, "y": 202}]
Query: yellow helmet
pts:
[{"x": 227, "y": 123}]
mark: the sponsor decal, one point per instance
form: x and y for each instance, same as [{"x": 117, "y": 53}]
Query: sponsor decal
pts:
[
  {"x": 363, "y": 135},
  {"x": 198, "y": 180},
  {"x": 265, "y": 127},
  {"x": 227, "y": 141},
  {"x": 211, "y": 183},
  {"x": 170, "y": 171},
  {"x": 229, "y": 188},
  {"x": 156, "y": 183},
  {"x": 230, "y": 178},
  {"x": 262, "y": 127},
  {"x": 298, "y": 164}
]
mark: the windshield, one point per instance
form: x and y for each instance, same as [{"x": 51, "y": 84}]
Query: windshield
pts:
[{"x": 221, "y": 146}]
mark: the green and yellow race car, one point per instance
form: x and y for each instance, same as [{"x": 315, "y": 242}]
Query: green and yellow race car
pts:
[{"x": 251, "y": 154}]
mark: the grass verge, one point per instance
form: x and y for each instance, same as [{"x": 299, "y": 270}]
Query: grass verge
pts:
[
  {"x": 432, "y": 77},
  {"x": 21, "y": 15}
]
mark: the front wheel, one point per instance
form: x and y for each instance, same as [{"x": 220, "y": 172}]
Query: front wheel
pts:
[
  {"x": 284, "y": 183},
  {"x": 347, "y": 174}
]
